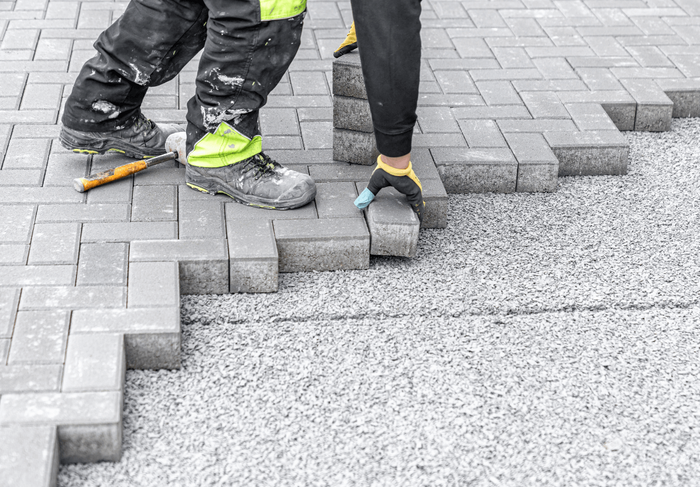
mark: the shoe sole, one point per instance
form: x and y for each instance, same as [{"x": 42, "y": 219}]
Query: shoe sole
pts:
[
  {"x": 260, "y": 203},
  {"x": 97, "y": 147}
]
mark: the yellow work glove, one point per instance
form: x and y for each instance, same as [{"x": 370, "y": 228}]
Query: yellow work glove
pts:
[{"x": 349, "y": 44}]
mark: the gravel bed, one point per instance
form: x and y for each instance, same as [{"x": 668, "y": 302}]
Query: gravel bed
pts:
[{"x": 539, "y": 340}]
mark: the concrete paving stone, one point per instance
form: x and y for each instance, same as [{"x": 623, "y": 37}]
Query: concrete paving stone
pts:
[
  {"x": 254, "y": 261},
  {"x": 203, "y": 264},
  {"x": 37, "y": 275},
  {"x": 201, "y": 219},
  {"x": 13, "y": 254},
  {"x": 4, "y": 350},
  {"x": 236, "y": 212},
  {"x": 599, "y": 79},
  {"x": 393, "y": 226},
  {"x": 538, "y": 125},
  {"x": 299, "y": 101},
  {"x": 436, "y": 204},
  {"x": 498, "y": 93},
  {"x": 30, "y": 378},
  {"x": 103, "y": 264},
  {"x": 36, "y": 97},
  {"x": 317, "y": 135},
  {"x": 336, "y": 200},
  {"x": 151, "y": 335},
  {"x": 48, "y": 195},
  {"x": 422, "y": 163},
  {"x": 154, "y": 203},
  {"x": 94, "y": 362},
  {"x": 29, "y": 456},
  {"x": 70, "y": 297},
  {"x": 602, "y": 62},
  {"x": 426, "y": 141},
  {"x": 352, "y": 114},
  {"x": 685, "y": 95},
  {"x": 340, "y": 172},
  {"x": 436, "y": 119},
  {"x": 20, "y": 39},
  {"x": 52, "y": 49},
  {"x": 39, "y": 337},
  {"x": 457, "y": 100},
  {"x": 89, "y": 423},
  {"x": 55, "y": 243},
  {"x": 649, "y": 56},
  {"x": 481, "y": 133},
  {"x": 309, "y": 83},
  {"x": 36, "y": 130},
  {"x": 590, "y": 116},
  {"x": 99, "y": 212},
  {"x": 544, "y": 105},
  {"x": 279, "y": 121},
  {"x": 354, "y": 147},
  {"x": 492, "y": 113},
  {"x": 347, "y": 76},
  {"x": 472, "y": 47},
  {"x": 315, "y": 156},
  {"x": 505, "y": 74},
  {"x": 314, "y": 114},
  {"x": 455, "y": 82},
  {"x": 21, "y": 177},
  {"x": 538, "y": 167},
  {"x": 153, "y": 284},
  {"x": 511, "y": 57},
  {"x": 13, "y": 83},
  {"x": 115, "y": 192},
  {"x": 555, "y": 68},
  {"x": 20, "y": 154},
  {"x": 619, "y": 105},
  {"x": 476, "y": 170},
  {"x": 654, "y": 108},
  {"x": 322, "y": 245},
  {"x": 128, "y": 231},
  {"x": 161, "y": 175},
  {"x": 589, "y": 153},
  {"x": 606, "y": 46}
]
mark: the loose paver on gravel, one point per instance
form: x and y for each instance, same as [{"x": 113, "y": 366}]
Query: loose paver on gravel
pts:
[{"x": 514, "y": 94}]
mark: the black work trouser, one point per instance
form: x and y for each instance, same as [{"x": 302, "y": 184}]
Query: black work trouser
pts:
[
  {"x": 243, "y": 60},
  {"x": 388, "y": 38}
]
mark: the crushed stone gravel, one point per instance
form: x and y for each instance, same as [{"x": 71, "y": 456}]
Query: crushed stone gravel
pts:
[{"x": 538, "y": 340}]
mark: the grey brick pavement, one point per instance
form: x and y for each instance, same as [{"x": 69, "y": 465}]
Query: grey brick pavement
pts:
[{"x": 514, "y": 93}]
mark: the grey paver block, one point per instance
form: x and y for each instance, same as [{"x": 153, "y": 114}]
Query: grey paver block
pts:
[
  {"x": 322, "y": 245},
  {"x": 29, "y": 456},
  {"x": 153, "y": 284},
  {"x": 590, "y": 116},
  {"x": 13, "y": 254},
  {"x": 393, "y": 225},
  {"x": 55, "y": 243},
  {"x": 203, "y": 264},
  {"x": 89, "y": 423},
  {"x": 65, "y": 297},
  {"x": 9, "y": 300},
  {"x": 151, "y": 335},
  {"x": 126, "y": 232},
  {"x": 83, "y": 213},
  {"x": 476, "y": 170},
  {"x": 355, "y": 147},
  {"x": 619, "y": 105},
  {"x": 436, "y": 203},
  {"x": 103, "y": 264},
  {"x": 542, "y": 104},
  {"x": 254, "y": 261},
  {"x": 538, "y": 167},
  {"x": 347, "y": 76},
  {"x": 279, "y": 121},
  {"x": 21, "y": 177},
  {"x": 352, "y": 114},
  {"x": 4, "y": 350},
  {"x": 498, "y": 93},
  {"x": 482, "y": 134},
  {"x": 201, "y": 219},
  {"x": 340, "y": 172},
  {"x": 499, "y": 112},
  {"x": 48, "y": 195},
  {"x": 154, "y": 203},
  {"x": 236, "y": 211},
  {"x": 41, "y": 275},
  {"x": 589, "y": 153},
  {"x": 114, "y": 192},
  {"x": 94, "y": 362},
  {"x": 17, "y": 155},
  {"x": 39, "y": 337},
  {"x": 685, "y": 95},
  {"x": 30, "y": 378},
  {"x": 166, "y": 174},
  {"x": 654, "y": 108},
  {"x": 336, "y": 200}
]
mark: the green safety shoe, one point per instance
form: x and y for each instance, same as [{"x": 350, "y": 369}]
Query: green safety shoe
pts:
[{"x": 142, "y": 140}]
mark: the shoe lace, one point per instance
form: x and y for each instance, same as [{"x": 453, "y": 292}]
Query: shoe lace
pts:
[
  {"x": 142, "y": 123},
  {"x": 263, "y": 165}
]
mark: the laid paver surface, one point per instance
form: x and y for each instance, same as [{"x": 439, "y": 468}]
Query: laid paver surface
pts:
[{"x": 514, "y": 94}]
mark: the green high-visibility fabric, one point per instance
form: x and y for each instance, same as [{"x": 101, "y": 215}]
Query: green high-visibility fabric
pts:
[
  {"x": 280, "y": 9},
  {"x": 224, "y": 147}
]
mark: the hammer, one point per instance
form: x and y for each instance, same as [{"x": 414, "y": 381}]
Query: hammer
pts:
[{"x": 99, "y": 178}]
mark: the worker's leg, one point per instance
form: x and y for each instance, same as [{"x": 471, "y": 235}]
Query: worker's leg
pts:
[
  {"x": 243, "y": 60},
  {"x": 147, "y": 46},
  {"x": 388, "y": 37}
]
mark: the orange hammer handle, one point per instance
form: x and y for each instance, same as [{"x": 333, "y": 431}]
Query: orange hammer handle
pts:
[{"x": 104, "y": 177}]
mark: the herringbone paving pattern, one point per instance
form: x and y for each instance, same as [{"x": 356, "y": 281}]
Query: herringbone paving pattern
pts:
[{"x": 514, "y": 94}]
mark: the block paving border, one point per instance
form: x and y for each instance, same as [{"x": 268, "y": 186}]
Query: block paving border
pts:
[{"x": 514, "y": 93}]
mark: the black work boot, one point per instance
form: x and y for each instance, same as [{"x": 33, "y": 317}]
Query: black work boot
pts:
[{"x": 142, "y": 140}]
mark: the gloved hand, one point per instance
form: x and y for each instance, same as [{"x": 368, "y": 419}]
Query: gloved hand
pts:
[
  {"x": 404, "y": 180},
  {"x": 349, "y": 44}
]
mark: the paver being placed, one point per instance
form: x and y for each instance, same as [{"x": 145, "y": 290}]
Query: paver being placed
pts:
[{"x": 513, "y": 95}]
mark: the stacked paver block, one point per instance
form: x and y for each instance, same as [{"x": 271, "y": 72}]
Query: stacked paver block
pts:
[{"x": 90, "y": 283}]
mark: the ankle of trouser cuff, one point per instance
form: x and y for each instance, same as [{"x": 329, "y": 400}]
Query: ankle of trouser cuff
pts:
[{"x": 394, "y": 145}]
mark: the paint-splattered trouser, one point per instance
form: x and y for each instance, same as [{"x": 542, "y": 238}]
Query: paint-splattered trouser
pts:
[
  {"x": 388, "y": 37},
  {"x": 248, "y": 46}
]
